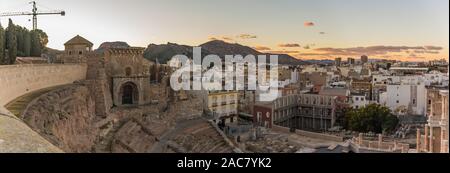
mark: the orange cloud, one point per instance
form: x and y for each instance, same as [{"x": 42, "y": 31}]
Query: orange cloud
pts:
[
  {"x": 433, "y": 48},
  {"x": 227, "y": 38},
  {"x": 246, "y": 36},
  {"x": 308, "y": 24},
  {"x": 261, "y": 48},
  {"x": 223, "y": 38},
  {"x": 212, "y": 38},
  {"x": 283, "y": 52},
  {"x": 376, "y": 50},
  {"x": 289, "y": 45}
]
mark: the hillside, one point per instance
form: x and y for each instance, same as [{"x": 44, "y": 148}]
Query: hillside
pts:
[
  {"x": 115, "y": 44},
  {"x": 165, "y": 52}
]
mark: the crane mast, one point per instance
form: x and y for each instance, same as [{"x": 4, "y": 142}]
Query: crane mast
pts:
[{"x": 34, "y": 12}]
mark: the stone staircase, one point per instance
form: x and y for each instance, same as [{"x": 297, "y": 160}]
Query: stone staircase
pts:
[{"x": 202, "y": 138}]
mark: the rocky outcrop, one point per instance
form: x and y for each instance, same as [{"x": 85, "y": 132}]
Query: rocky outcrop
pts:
[{"x": 65, "y": 117}]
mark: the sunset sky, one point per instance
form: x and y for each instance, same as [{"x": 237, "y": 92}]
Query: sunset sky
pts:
[{"x": 416, "y": 30}]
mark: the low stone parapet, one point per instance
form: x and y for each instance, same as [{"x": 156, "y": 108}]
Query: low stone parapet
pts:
[{"x": 309, "y": 134}]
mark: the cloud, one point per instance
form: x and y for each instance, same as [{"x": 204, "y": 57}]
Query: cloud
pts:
[
  {"x": 223, "y": 38},
  {"x": 261, "y": 48},
  {"x": 424, "y": 52},
  {"x": 308, "y": 46},
  {"x": 212, "y": 38},
  {"x": 246, "y": 36},
  {"x": 313, "y": 54},
  {"x": 227, "y": 38},
  {"x": 308, "y": 24},
  {"x": 283, "y": 52},
  {"x": 433, "y": 47},
  {"x": 289, "y": 45},
  {"x": 373, "y": 50},
  {"x": 414, "y": 56},
  {"x": 432, "y": 52}
]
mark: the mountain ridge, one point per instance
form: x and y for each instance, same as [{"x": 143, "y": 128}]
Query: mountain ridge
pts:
[{"x": 164, "y": 52}]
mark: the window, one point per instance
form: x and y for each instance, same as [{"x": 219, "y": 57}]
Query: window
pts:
[
  {"x": 414, "y": 101},
  {"x": 357, "y": 98},
  {"x": 397, "y": 101},
  {"x": 70, "y": 52},
  {"x": 258, "y": 116},
  {"x": 80, "y": 52}
]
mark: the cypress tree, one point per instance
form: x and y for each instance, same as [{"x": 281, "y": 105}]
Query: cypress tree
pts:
[
  {"x": 12, "y": 43},
  {"x": 27, "y": 44},
  {"x": 36, "y": 47},
  {"x": 2, "y": 45},
  {"x": 20, "y": 40}
]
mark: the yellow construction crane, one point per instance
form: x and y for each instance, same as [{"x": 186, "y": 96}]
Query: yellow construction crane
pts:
[{"x": 34, "y": 12}]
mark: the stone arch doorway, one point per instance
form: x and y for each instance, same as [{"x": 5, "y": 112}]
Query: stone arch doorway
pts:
[{"x": 129, "y": 93}]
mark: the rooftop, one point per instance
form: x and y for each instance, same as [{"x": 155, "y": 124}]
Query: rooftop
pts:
[
  {"x": 334, "y": 91},
  {"x": 78, "y": 40}
]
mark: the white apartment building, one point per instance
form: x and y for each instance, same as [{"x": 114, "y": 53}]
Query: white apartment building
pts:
[
  {"x": 359, "y": 101},
  {"x": 405, "y": 98}
]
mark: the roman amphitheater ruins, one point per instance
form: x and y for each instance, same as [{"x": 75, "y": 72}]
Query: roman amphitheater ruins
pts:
[
  {"x": 114, "y": 100},
  {"x": 111, "y": 100}
]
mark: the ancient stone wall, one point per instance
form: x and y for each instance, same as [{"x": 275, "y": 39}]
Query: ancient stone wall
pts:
[
  {"x": 17, "y": 80},
  {"x": 17, "y": 137},
  {"x": 65, "y": 117},
  {"x": 309, "y": 134}
]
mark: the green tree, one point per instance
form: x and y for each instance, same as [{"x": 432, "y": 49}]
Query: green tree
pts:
[
  {"x": 11, "y": 43},
  {"x": 2, "y": 46},
  {"x": 20, "y": 40},
  {"x": 43, "y": 38},
  {"x": 27, "y": 44},
  {"x": 372, "y": 118},
  {"x": 36, "y": 46}
]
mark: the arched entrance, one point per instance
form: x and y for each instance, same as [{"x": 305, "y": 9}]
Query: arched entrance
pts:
[{"x": 129, "y": 93}]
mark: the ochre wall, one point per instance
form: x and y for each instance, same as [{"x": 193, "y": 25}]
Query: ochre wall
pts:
[{"x": 17, "y": 80}]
